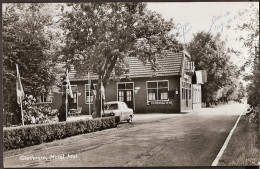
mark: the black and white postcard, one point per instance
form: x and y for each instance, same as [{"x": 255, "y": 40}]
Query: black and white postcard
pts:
[{"x": 130, "y": 84}]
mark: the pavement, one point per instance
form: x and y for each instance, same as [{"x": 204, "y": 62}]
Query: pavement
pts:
[
  {"x": 80, "y": 117},
  {"x": 187, "y": 139}
]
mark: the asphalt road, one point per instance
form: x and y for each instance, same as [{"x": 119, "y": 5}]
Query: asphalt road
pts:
[{"x": 188, "y": 139}]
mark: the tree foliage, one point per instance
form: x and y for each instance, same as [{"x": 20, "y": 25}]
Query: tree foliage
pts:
[
  {"x": 100, "y": 35},
  {"x": 28, "y": 42},
  {"x": 209, "y": 53},
  {"x": 250, "y": 24}
]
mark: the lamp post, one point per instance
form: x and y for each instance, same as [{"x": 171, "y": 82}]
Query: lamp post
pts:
[{"x": 66, "y": 102}]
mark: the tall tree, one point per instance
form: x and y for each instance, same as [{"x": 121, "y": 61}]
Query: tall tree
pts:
[
  {"x": 28, "y": 42},
  {"x": 249, "y": 26},
  {"x": 100, "y": 35},
  {"x": 209, "y": 53}
]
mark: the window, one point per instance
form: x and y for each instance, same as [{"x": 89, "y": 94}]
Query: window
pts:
[
  {"x": 74, "y": 97},
  {"x": 125, "y": 91},
  {"x": 186, "y": 90},
  {"x": 111, "y": 106},
  {"x": 164, "y": 96},
  {"x": 157, "y": 90},
  {"x": 189, "y": 91},
  {"x": 128, "y": 95},
  {"x": 124, "y": 86},
  {"x": 121, "y": 96},
  {"x": 183, "y": 91},
  {"x": 151, "y": 94},
  {"x": 45, "y": 99},
  {"x": 89, "y": 96}
]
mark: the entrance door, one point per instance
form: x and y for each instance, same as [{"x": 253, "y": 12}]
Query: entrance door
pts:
[
  {"x": 126, "y": 93},
  {"x": 129, "y": 98}
]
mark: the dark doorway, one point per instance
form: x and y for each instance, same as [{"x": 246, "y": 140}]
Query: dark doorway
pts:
[{"x": 125, "y": 93}]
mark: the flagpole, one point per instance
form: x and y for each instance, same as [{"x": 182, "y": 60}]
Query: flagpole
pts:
[
  {"x": 66, "y": 101},
  {"x": 89, "y": 107},
  {"x": 101, "y": 106},
  {"x": 68, "y": 89},
  {"x": 18, "y": 83},
  {"x": 89, "y": 83},
  {"x": 101, "y": 98}
]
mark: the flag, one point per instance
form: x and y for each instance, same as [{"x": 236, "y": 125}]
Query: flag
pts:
[
  {"x": 19, "y": 87},
  {"x": 94, "y": 90},
  {"x": 69, "y": 90},
  {"x": 91, "y": 84},
  {"x": 92, "y": 87},
  {"x": 102, "y": 89},
  {"x": 89, "y": 87},
  {"x": 199, "y": 77}
]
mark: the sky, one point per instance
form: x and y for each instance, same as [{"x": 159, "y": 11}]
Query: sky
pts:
[{"x": 213, "y": 17}]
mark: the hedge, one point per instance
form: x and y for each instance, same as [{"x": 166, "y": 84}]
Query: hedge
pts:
[{"x": 24, "y": 136}]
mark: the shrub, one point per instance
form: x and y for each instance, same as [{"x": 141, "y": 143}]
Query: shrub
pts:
[
  {"x": 24, "y": 136},
  {"x": 41, "y": 113}
]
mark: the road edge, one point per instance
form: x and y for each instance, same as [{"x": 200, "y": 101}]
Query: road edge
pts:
[{"x": 215, "y": 162}]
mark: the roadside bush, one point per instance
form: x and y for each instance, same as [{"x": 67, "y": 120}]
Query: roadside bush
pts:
[
  {"x": 24, "y": 136},
  {"x": 252, "y": 118}
]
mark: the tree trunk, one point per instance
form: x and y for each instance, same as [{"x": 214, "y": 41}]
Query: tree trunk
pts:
[
  {"x": 97, "y": 108},
  {"x": 97, "y": 102}
]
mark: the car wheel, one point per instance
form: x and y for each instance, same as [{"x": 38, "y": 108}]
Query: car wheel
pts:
[
  {"x": 130, "y": 119},
  {"x": 117, "y": 118}
]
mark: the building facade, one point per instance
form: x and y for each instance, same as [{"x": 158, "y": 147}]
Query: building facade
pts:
[{"x": 167, "y": 90}]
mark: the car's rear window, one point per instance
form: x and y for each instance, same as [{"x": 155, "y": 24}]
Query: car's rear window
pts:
[{"x": 111, "y": 106}]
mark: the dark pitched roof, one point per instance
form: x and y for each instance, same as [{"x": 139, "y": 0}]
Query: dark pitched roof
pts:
[
  {"x": 75, "y": 77},
  {"x": 169, "y": 65}
]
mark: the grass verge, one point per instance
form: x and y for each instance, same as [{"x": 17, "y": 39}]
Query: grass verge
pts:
[{"x": 243, "y": 147}]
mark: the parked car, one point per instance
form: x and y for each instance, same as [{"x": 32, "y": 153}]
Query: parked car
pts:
[{"x": 120, "y": 110}]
